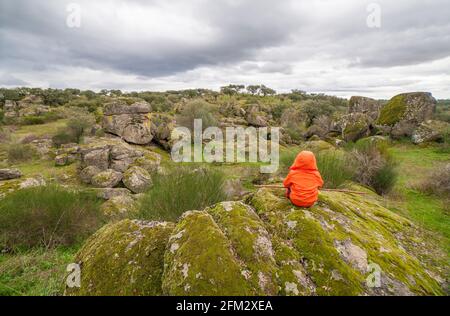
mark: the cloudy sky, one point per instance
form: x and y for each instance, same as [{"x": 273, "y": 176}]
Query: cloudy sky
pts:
[{"x": 315, "y": 45}]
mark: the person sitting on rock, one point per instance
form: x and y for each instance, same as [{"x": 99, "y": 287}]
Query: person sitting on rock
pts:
[{"x": 303, "y": 181}]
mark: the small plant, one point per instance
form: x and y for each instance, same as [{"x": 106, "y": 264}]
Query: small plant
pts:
[
  {"x": 334, "y": 168},
  {"x": 181, "y": 190},
  {"x": 373, "y": 165},
  {"x": 18, "y": 153},
  {"x": 197, "y": 109},
  {"x": 75, "y": 129},
  {"x": 438, "y": 182},
  {"x": 47, "y": 216}
]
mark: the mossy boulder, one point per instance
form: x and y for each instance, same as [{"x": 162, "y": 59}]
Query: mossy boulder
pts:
[
  {"x": 137, "y": 179},
  {"x": 358, "y": 104},
  {"x": 106, "y": 179},
  {"x": 317, "y": 145},
  {"x": 119, "y": 207},
  {"x": 356, "y": 126},
  {"x": 346, "y": 244},
  {"x": 404, "y": 113},
  {"x": 430, "y": 131},
  {"x": 124, "y": 258}
]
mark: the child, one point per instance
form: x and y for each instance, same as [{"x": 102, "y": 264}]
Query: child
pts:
[{"x": 303, "y": 181}]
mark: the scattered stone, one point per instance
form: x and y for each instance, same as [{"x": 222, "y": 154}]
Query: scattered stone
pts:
[
  {"x": 9, "y": 174},
  {"x": 97, "y": 156},
  {"x": 430, "y": 131},
  {"x": 137, "y": 179},
  {"x": 107, "y": 179},
  {"x": 118, "y": 207},
  {"x": 88, "y": 173},
  {"x": 109, "y": 193},
  {"x": 32, "y": 182}
]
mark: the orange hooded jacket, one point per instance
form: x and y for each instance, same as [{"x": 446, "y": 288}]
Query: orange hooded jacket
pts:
[{"x": 304, "y": 180}]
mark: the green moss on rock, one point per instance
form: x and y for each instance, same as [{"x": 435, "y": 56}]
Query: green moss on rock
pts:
[
  {"x": 200, "y": 260},
  {"x": 125, "y": 258},
  {"x": 393, "y": 112},
  {"x": 266, "y": 246}
]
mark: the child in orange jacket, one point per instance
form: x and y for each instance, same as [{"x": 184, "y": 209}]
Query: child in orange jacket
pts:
[{"x": 303, "y": 181}]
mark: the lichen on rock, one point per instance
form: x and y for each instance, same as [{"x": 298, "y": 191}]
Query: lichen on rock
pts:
[
  {"x": 124, "y": 258},
  {"x": 266, "y": 246}
]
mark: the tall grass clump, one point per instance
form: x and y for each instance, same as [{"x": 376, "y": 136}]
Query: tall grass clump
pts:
[
  {"x": 181, "y": 190},
  {"x": 197, "y": 109},
  {"x": 47, "y": 216},
  {"x": 20, "y": 153},
  {"x": 74, "y": 130},
  {"x": 334, "y": 168},
  {"x": 437, "y": 182},
  {"x": 373, "y": 166}
]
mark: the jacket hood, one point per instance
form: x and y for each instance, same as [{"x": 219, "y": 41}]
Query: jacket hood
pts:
[{"x": 305, "y": 161}]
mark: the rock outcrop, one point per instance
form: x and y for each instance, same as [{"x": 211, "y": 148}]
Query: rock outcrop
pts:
[
  {"x": 403, "y": 114},
  {"x": 130, "y": 122},
  {"x": 356, "y": 126},
  {"x": 9, "y": 174},
  {"x": 137, "y": 179},
  {"x": 344, "y": 245},
  {"x": 368, "y": 106},
  {"x": 430, "y": 131},
  {"x": 105, "y": 164}
]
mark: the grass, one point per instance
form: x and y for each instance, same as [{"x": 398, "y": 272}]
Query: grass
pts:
[
  {"x": 47, "y": 216},
  {"x": 39, "y": 272},
  {"x": 427, "y": 210},
  {"x": 182, "y": 190},
  {"x": 43, "y": 130}
]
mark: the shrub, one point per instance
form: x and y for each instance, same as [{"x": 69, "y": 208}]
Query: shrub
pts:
[
  {"x": 334, "y": 168},
  {"x": 75, "y": 128},
  {"x": 20, "y": 153},
  {"x": 33, "y": 120},
  {"x": 47, "y": 216},
  {"x": 438, "y": 182},
  {"x": 182, "y": 190},
  {"x": 197, "y": 109},
  {"x": 373, "y": 165},
  {"x": 292, "y": 122},
  {"x": 40, "y": 119}
]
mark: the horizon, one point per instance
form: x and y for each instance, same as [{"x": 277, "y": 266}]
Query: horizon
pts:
[{"x": 366, "y": 48}]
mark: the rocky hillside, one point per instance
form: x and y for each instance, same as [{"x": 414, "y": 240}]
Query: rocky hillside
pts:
[{"x": 264, "y": 246}]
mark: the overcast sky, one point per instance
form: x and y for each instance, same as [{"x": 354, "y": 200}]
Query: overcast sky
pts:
[{"x": 314, "y": 45}]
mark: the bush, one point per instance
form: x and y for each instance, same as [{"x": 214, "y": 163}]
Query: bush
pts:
[
  {"x": 438, "y": 182},
  {"x": 373, "y": 165},
  {"x": 75, "y": 128},
  {"x": 20, "y": 153},
  {"x": 197, "y": 109},
  {"x": 180, "y": 191},
  {"x": 334, "y": 168},
  {"x": 47, "y": 216}
]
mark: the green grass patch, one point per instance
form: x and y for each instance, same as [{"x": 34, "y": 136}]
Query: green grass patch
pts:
[
  {"x": 181, "y": 190},
  {"x": 39, "y": 272},
  {"x": 47, "y": 216}
]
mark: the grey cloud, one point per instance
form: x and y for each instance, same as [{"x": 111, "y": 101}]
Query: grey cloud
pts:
[{"x": 246, "y": 38}]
